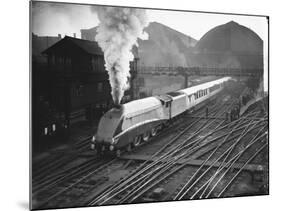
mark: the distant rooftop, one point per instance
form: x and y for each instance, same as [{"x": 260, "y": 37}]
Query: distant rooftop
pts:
[{"x": 87, "y": 46}]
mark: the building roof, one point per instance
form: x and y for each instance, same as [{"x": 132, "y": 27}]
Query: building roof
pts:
[
  {"x": 41, "y": 43},
  {"x": 63, "y": 46},
  {"x": 231, "y": 37}
]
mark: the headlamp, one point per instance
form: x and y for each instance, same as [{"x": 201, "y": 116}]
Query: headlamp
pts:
[{"x": 93, "y": 139}]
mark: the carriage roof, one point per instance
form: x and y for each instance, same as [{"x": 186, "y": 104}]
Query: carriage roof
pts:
[{"x": 203, "y": 86}]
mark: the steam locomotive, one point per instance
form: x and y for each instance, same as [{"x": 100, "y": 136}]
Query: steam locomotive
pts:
[{"x": 130, "y": 124}]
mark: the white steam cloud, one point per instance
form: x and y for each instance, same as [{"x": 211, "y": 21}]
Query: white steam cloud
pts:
[{"x": 117, "y": 33}]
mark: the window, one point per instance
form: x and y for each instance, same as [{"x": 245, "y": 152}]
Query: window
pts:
[{"x": 99, "y": 87}]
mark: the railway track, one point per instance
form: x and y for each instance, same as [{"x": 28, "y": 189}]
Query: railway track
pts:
[
  {"x": 189, "y": 147},
  {"x": 59, "y": 159},
  {"x": 50, "y": 196},
  {"x": 203, "y": 173}
]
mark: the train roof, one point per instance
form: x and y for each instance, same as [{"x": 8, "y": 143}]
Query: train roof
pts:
[
  {"x": 174, "y": 94},
  {"x": 136, "y": 107},
  {"x": 209, "y": 84}
]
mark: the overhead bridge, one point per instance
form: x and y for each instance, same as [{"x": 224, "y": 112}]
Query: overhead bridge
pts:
[{"x": 201, "y": 71}]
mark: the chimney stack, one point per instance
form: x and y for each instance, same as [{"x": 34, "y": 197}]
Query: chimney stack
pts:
[
  {"x": 59, "y": 35},
  {"x": 74, "y": 35}
]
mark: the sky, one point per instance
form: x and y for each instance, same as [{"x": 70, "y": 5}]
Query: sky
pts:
[
  {"x": 51, "y": 19},
  {"x": 57, "y": 18}
]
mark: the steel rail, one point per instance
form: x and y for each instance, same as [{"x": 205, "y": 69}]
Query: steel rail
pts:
[
  {"x": 73, "y": 184},
  {"x": 213, "y": 152},
  {"x": 226, "y": 171},
  {"x": 150, "y": 165},
  {"x": 178, "y": 197},
  {"x": 229, "y": 162},
  {"x": 239, "y": 171},
  {"x": 243, "y": 134},
  {"x": 157, "y": 170},
  {"x": 159, "y": 173},
  {"x": 69, "y": 173}
]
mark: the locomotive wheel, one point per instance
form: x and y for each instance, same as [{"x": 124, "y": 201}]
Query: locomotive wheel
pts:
[
  {"x": 137, "y": 141},
  {"x": 154, "y": 131},
  {"x": 145, "y": 136}
]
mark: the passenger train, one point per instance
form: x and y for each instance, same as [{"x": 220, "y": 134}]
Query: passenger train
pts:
[{"x": 130, "y": 124}]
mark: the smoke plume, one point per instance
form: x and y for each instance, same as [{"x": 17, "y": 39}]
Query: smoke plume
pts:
[{"x": 117, "y": 32}]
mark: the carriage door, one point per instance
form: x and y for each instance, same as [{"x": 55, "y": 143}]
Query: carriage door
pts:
[
  {"x": 168, "y": 108},
  {"x": 167, "y": 105}
]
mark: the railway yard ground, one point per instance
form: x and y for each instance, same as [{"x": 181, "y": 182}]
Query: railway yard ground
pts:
[{"x": 196, "y": 156}]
